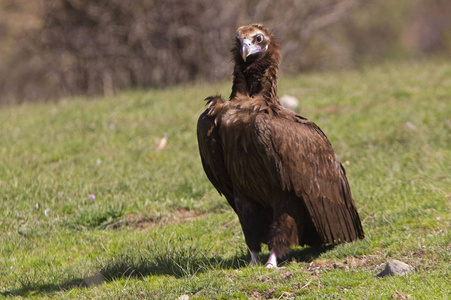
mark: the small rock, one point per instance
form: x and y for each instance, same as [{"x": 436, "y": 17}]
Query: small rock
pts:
[
  {"x": 410, "y": 126},
  {"x": 289, "y": 102},
  {"x": 163, "y": 142},
  {"x": 395, "y": 267},
  {"x": 183, "y": 297},
  {"x": 399, "y": 295}
]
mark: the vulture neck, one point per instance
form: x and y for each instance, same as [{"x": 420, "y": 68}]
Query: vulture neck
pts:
[{"x": 256, "y": 79}]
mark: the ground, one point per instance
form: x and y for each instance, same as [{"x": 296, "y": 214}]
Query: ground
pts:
[{"x": 91, "y": 209}]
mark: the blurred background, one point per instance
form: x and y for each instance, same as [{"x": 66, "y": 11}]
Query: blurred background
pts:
[{"x": 56, "y": 48}]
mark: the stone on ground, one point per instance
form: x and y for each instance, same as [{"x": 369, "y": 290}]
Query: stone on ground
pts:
[
  {"x": 395, "y": 267},
  {"x": 289, "y": 102}
]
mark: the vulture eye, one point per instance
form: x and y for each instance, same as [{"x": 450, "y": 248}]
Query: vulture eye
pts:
[{"x": 259, "y": 38}]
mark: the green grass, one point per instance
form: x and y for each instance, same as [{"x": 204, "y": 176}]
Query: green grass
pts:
[{"x": 157, "y": 228}]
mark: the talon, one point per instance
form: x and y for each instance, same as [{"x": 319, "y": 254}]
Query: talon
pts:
[{"x": 269, "y": 265}]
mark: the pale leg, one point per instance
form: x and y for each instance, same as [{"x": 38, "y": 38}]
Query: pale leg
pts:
[
  {"x": 272, "y": 261},
  {"x": 254, "y": 258}
]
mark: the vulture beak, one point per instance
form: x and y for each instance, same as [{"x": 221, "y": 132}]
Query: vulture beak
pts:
[{"x": 247, "y": 48}]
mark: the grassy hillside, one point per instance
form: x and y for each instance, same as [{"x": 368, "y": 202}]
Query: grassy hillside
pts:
[{"x": 87, "y": 199}]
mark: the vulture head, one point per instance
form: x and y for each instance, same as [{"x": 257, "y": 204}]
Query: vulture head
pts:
[
  {"x": 256, "y": 54},
  {"x": 253, "y": 43}
]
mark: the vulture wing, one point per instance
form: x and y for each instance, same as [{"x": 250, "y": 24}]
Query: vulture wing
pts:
[
  {"x": 301, "y": 160},
  {"x": 211, "y": 151}
]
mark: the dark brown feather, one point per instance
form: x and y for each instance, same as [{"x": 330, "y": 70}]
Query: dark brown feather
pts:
[
  {"x": 210, "y": 149},
  {"x": 277, "y": 170}
]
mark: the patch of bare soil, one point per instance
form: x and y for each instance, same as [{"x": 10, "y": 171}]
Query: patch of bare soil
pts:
[
  {"x": 269, "y": 294},
  {"x": 351, "y": 262},
  {"x": 145, "y": 222},
  {"x": 399, "y": 295}
]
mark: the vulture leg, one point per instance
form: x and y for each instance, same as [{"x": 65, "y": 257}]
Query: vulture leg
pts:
[
  {"x": 254, "y": 258},
  {"x": 254, "y": 223},
  {"x": 284, "y": 230},
  {"x": 272, "y": 261}
]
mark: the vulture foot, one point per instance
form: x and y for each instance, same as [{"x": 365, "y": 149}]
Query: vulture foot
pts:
[
  {"x": 272, "y": 261},
  {"x": 269, "y": 265}
]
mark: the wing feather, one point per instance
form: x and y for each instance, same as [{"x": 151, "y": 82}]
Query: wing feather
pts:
[
  {"x": 211, "y": 151},
  {"x": 303, "y": 161}
]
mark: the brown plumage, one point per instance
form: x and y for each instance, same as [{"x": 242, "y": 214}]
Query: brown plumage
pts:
[{"x": 277, "y": 169}]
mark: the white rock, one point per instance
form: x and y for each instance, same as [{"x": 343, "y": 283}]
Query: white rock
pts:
[
  {"x": 183, "y": 297},
  {"x": 163, "y": 142},
  {"x": 395, "y": 267},
  {"x": 410, "y": 126},
  {"x": 289, "y": 102}
]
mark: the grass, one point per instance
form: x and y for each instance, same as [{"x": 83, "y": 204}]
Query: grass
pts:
[{"x": 90, "y": 208}]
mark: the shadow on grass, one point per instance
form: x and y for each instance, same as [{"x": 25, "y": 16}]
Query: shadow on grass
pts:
[
  {"x": 179, "y": 262},
  {"x": 44, "y": 288},
  {"x": 188, "y": 262},
  {"x": 305, "y": 254}
]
